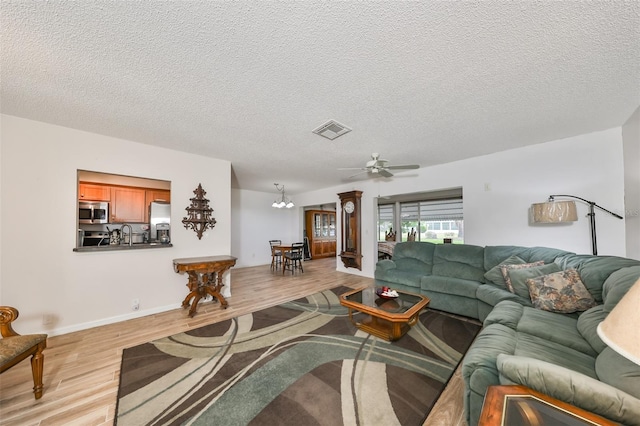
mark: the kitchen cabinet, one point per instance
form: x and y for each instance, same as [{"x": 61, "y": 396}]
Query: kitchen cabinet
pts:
[
  {"x": 128, "y": 205},
  {"x": 155, "y": 195},
  {"x": 321, "y": 232},
  {"x": 93, "y": 192}
]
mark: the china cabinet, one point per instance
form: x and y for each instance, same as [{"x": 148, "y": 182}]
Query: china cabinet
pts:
[{"x": 321, "y": 232}]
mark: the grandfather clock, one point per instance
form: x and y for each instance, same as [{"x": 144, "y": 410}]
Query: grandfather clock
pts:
[{"x": 351, "y": 253}]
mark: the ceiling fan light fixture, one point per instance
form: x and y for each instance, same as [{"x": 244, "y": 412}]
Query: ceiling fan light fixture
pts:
[{"x": 331, "y": 130}]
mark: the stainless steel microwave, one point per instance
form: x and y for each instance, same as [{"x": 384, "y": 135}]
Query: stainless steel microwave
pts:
[{"x": 93, "y": 212}]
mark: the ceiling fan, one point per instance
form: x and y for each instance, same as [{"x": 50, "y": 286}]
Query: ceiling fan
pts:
[{"x": 379, "y": 167}]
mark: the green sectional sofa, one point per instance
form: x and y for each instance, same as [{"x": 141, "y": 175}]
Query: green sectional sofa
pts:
[{"x": 534, "y": 341}]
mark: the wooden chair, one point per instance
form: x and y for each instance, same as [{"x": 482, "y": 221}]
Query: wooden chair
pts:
[
  {"x": 14, "y": 348},
  {"x": 276, "y": 255},
  {"x": 293, "y": 258},
  {"x": 390, "y": 236}
]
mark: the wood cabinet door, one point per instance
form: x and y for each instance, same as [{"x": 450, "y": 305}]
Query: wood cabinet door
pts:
[
  {"x": 93, "y": 192},
  {"x": 155, "y": 195},
  {"x": 127, "y": 205},
  {"x": 158, "y": 195}
]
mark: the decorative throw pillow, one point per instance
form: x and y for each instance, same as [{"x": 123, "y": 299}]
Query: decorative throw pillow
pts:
[
  {"x": 561, "y": 292},
  {"x": 506, "y": 268},
  {"x": 519, "y": 277},
  {"x": 495, "y": 274}
]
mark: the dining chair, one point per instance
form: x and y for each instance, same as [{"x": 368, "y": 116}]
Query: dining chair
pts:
[
  {"x": 293, "y": 258},
  {"x": 15, "y": 348},
  {"x": 276, "y": 255}
]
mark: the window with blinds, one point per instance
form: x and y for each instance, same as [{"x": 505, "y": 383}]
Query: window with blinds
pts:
[{"x": 436, "y": 221}]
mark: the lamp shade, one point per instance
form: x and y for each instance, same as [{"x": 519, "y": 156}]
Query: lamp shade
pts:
[
  {"x": 554, "y": 212},
  {"x": 620, "y": 330}
]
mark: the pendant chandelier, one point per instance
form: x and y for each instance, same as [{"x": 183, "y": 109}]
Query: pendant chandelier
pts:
[{"x": 283, "y": 201}]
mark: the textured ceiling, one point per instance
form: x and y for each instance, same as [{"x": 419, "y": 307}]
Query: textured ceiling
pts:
[{"x": 426, "y": 83}]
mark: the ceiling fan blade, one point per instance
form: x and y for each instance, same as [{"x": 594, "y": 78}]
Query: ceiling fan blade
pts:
[
  {"x": 353, "y": 168},
  {"x": 385, "y": 173},
  {"x": 364, "y": 171},
  {"x": 406, "y": 166}
]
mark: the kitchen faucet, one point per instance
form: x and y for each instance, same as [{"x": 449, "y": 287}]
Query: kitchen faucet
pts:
[{"x": 130, "y": 233}]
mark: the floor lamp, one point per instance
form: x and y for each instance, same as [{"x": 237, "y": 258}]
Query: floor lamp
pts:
[{"x": 565, "y": 211}]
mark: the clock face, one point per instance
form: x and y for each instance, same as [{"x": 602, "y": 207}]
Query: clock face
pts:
[{"x": 349, "y": 207}]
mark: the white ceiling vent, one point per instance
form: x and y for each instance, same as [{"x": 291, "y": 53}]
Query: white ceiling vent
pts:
[{"x": 331, "y": 130}]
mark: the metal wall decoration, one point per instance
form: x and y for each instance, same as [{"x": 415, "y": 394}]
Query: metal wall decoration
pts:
[{"x": 199, "y": 213}]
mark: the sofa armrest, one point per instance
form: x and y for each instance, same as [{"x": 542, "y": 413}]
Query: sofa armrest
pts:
[
  {"x": 386, "y": 264},
  {"x": 569, "y": 386}
]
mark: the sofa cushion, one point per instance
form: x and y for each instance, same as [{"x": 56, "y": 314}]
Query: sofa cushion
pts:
[
  {"x": 519, "y": 277},
  {"x": 577, "y": 389},
  {"x": 594, "y": 270},
  {"x": 617, "y": 285},
  {"x": 399, "y": 276},
  {"x": 460, "y": 261},
  {"x": 557, "y": 328},
  {"x": 495, "y": 255},
  {"x": 588, "y": 324},
  {"x": 449, "y": 285},
  {"x": 617, "y": 371},
  {"x": 561, "y": 292},
  {"x": 494, "y": 274},
  {"x": 414, "y": 256},
  {"x": 506, "y": 269},
  {"x": 492, "y": 295}
]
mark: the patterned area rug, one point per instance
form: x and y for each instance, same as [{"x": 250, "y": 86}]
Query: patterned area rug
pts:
[{"x": 299, "y": 363}]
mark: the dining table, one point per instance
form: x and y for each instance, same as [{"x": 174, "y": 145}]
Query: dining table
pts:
[{"x": 282, "y": 248}]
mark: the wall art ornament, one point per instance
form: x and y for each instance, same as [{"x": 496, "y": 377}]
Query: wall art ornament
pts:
[{"x": 199, "y": 213}]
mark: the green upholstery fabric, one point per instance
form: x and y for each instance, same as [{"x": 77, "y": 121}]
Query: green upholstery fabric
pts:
[
  {"x": 558, "y": 328},
  {"x": 594, "y": 270},
  {"x": 459, "y": 261},
  {"x": 479, "y": 369},
  {"x": 588, "y": 324},
  {"x": 616, "y": 370},
  {"x": 520, "y": 276},
  {"x": 507, "y": 313},
  {"x": 458, "y": 279},
  {"x": 414, "y": 256},
  {"x": 449, "y": 285},
  {"x": 617, "y": 285},
  {"x": 493, "y": 295},
  {"x": 495, "y": 255},
  {"x": 396, "y": 276},
  {"x": 494, "y": 274},
  {"x": 545, "y": 254},
  {"x": 12, "y": 347},
  {"x": 577, "y": 389}
]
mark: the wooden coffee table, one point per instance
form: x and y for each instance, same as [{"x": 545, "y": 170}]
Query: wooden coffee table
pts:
[{"x": 388, "y": 319}]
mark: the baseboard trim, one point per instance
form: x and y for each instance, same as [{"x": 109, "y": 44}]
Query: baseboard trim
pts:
[{"x": 111, "y": 320}]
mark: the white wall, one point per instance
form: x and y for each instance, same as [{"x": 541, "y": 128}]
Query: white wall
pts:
[
  {"x": 589, "y": 166},
  {"x": 40, "y": 273},
  {"x": 255, "y": 222},
  {"x": 631, "y": 147}
]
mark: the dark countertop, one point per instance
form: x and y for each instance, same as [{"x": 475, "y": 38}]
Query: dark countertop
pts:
[{"x": 91, "y": 249}]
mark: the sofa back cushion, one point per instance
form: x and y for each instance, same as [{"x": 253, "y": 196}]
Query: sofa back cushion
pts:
[
  {"x": 494, "y": 255},
  {"x": 594, "y": 270},
  {"x": 414, "y": 256},
  {"x": 588, "y": 325},
  {"x": 617, "y": 285},
  {"x": 460, "y": 261},
  {"x": 617, "y": 371}
]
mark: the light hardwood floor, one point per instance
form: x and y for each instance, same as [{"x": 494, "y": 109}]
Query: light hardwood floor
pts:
[{"x": 81, "y": 369}]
